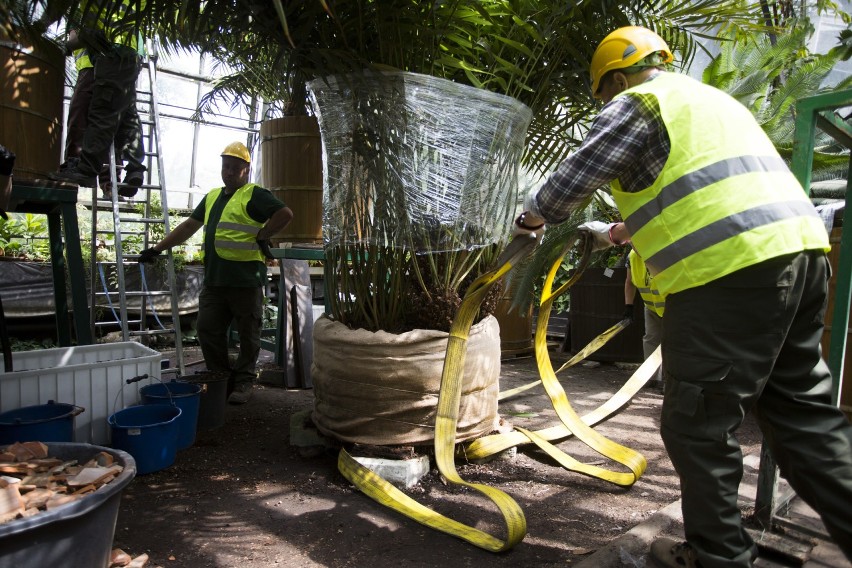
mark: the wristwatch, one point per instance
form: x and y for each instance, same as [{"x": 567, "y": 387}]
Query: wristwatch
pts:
[{"x": 519, "y": 222}]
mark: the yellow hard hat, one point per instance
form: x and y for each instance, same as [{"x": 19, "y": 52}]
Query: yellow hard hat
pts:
[
  {"x": 624, "y": 48},
  {"x": 237, "y": 150}
]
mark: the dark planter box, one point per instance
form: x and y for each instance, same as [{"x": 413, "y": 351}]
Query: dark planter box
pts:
[{"x": 597, "y": 303}]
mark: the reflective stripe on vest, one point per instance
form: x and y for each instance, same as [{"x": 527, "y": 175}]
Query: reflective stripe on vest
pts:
[
  {"x": 236, "y": 232},
  {"x": 81, "y": 59},
  {"x": 724, "y": 200},
  {"x": 645, "y": 284}
]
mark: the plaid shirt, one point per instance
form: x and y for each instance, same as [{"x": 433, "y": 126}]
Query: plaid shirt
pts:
[{"x": 627, "y": 141}]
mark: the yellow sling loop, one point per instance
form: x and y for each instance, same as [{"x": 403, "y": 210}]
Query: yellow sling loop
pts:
[
  {"x": 445, "y": 430},
  {"x": 572, "y": 423},
  {"x": 447, "y": 416}
]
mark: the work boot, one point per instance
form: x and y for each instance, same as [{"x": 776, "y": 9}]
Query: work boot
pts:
[
  {"x": 241, "y": 393},
  {"x": 75, "y": 176},
  {"x": 670, "y": 553},
  {"x": 133, "y": 180},
  {"x": 69, "y": 163}
]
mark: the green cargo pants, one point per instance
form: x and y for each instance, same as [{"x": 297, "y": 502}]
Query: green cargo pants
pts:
[
  {"x": 750, "y": 342},
  {"x": 112, "y": 115},
  {"x": 218, "y": 308}
]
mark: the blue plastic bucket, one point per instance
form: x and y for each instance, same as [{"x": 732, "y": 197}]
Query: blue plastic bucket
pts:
[
  {"x": 185, "y": 395},
  {"x": 148, "y": 433},
  {"x": 51, "y": 422}
]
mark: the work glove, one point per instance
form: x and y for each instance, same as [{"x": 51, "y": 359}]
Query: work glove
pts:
[
  {"x": 629, "y": 313},
  {"x": 7, "y": 161},
  {"x": 265, "y": 247},
  {"x": 521, "y": 229},
  {"x": 148, "y": 255},
  {"x": 599, "y": 233}
]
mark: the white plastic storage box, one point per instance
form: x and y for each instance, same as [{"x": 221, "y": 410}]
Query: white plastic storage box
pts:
[{"x": 90, "y": 376}]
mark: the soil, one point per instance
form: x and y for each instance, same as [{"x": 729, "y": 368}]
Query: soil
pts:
[{"x": 242, "y": 495}]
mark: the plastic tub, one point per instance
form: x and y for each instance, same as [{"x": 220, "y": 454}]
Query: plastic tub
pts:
[
  {"x": 185, "y": 395},
  {"x": 51, "y": 422},
  {"x": 77, "y": 534},
  {"x": 148, "y": 433},
  {"x": 91, "y": 376}
]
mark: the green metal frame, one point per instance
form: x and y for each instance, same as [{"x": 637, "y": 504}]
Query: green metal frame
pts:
[
  {"x": 813, "y": 112},
  {"x": 59, "y": 203}
]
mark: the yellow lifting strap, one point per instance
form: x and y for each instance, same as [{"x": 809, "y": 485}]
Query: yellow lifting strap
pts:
[
  {"x": 447, "y": 416},
  {"x": 572, "y": 424},
  {"x": 490, "y": 445},
  {"x": 445, "y": 429}
]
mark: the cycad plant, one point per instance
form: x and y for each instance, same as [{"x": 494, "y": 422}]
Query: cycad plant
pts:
[{"x": 768, "y": 74}]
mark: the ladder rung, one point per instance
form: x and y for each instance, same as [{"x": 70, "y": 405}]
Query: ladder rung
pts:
[
  {"x": 105, "y": 323},
  {"x": 105, "y": 232},
  {"x": 169, "y": 331},
  {"x": 136, "y": 294},
  {"x": 139, "y": 220},
  {"x": 106, "y": 205}
]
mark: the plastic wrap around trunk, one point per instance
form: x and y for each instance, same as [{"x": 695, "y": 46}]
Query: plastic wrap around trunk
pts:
[{"x": 417, "y": 162}]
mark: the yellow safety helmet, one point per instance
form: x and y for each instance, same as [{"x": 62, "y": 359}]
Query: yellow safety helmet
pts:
[
  {"x": 237, "y": 150},
  {"x": 626, "y": 47}
]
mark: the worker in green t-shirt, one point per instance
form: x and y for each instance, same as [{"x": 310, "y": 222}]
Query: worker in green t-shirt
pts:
[{"x": 239, "y": 219}]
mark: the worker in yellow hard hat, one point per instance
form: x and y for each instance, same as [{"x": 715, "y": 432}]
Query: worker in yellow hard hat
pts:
[
  {"x": 239, "y": 219},
  {"x": 738, "y": 250}
]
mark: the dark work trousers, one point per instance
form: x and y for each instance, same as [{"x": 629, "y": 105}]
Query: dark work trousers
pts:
[
  {"x": 78, "y": 112},
  {"x": 750, "y": 341},
  {"x": 113, "y": 116},
  {"x": 220, "y": 307}
]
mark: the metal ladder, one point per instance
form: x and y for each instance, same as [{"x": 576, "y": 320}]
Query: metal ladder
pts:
[{"x": 126, "y": 220}]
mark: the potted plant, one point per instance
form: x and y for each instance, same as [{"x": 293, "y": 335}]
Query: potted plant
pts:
[{"x": 527, "y": 51}]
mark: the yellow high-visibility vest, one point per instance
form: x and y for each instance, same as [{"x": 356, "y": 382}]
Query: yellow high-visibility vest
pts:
[
  {"x": 644, "y": 283},
  {"x": 236, "y": 233},
  {"x": 113, "y": 23},
  {"x": 81, "y": 59},
  {"x": 724, "y": 200}
]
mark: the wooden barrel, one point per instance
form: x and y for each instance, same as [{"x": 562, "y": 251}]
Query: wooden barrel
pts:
[
  {"x": 597, "y": 303},
  {"x": 846, "y": 386},
  {"x": 291, "y": 152},
  {"x": 31, "y": 106}
]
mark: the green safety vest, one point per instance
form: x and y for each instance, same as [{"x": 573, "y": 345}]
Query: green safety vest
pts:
[
  {"x": 724, "y": 200},
  {"x": 645, "y": 284},
  {"x": 81, "y": 59},
  {"x": 236, "y": 233},
  {"x": 116, "y": 30}
]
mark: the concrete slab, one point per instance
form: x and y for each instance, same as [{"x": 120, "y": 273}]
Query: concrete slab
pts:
[{"x": 402, "y": 473}]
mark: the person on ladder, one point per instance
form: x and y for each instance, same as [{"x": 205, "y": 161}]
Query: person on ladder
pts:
[
  {"x": 239, "y": 218},
  {"x": 115, "y": 50},
  {"x": 737, "y": 248}
]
